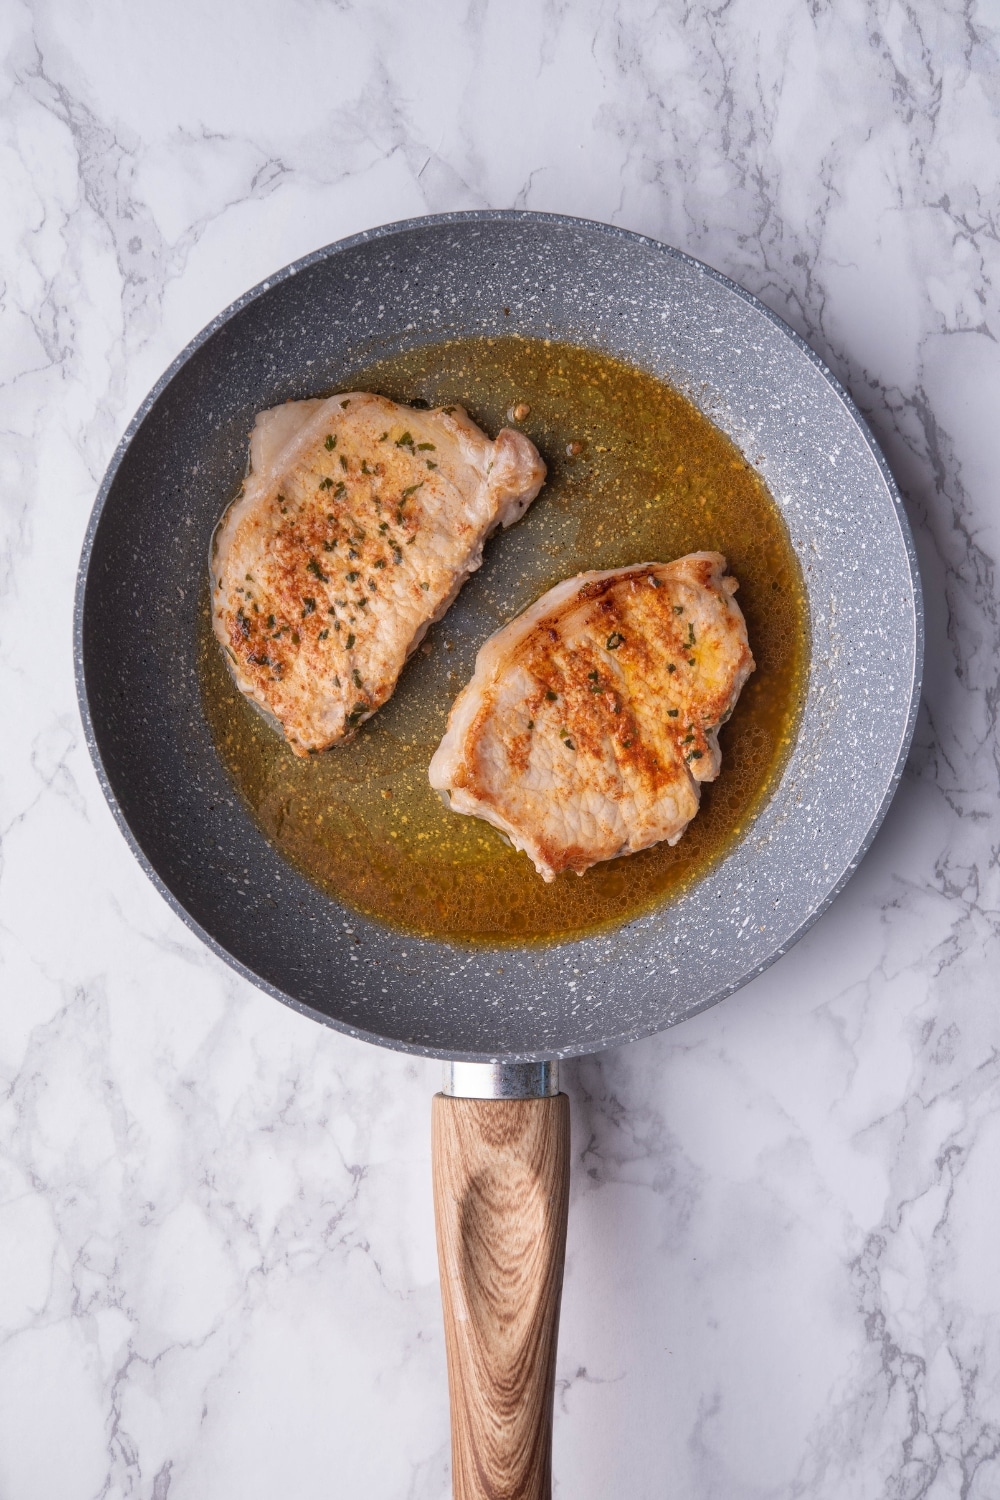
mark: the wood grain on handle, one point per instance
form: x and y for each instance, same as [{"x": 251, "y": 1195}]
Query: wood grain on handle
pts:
[{"x": 501, "y": 1190}]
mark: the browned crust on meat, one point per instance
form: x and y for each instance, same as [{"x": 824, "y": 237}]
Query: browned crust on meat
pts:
[
  {"x": 634, "y": 664},
  {"x": 339, "y": 539},
  {"x": 352, "y": 563}
]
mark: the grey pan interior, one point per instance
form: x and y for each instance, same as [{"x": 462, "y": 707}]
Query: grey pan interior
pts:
[{"x": 297, "y": 334}]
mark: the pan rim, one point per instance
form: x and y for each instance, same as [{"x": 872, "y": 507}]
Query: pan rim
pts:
[{"x": 386, "y": 231}]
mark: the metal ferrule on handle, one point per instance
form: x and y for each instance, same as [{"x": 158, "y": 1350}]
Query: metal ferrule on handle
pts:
[{"x": 501, "y": 1080}]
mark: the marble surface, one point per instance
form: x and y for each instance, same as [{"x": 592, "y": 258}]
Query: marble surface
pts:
[{"x": 217, "y": 1274}]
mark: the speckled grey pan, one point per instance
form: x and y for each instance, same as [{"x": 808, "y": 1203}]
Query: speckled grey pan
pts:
[{"x": 142, "y": 569}]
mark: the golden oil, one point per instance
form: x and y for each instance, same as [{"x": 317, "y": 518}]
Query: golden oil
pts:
[{"x": 635, "y": 474}]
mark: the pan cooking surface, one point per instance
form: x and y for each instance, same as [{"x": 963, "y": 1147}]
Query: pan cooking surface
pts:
[
  {"x": 374, "y": 298},
  {"x": 654, "y": 479}
]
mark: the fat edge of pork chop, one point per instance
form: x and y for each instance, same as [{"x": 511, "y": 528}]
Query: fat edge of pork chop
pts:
[
  {"x": 357, "y": 525},
  {"x": 592, "y": 718}
]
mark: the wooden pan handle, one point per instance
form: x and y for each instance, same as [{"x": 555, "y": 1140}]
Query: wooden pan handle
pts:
[{"x": 501, "y": 1192}]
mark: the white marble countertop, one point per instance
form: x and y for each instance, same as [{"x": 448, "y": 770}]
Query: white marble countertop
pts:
[{"x": 217, "y": 1272}]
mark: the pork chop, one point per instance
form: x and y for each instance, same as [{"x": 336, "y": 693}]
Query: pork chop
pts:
[
  {"x": 592, "y": 718},
  {"x": 358, "y": 524}
]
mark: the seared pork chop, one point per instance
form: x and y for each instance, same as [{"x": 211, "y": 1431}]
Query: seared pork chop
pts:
[
  {"x": 592, "y": 718},
  {"x": 358, "y": 524}
]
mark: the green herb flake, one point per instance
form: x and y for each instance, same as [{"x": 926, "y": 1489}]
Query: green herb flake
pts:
[
  {"x": 308, "y": 607},
  {"x": 430, "y": 465},
  {"x": 330, "y": 443},
  {"x": 379, "y": 562},
  {"x": 295, "y": 637},
  {"x": 411, "y": 491},
  {"x": 406, "y": 441},
  {"x": 326, "y": 484},
  {"x": 690, "y": 640},
  {"x": 678, "y": 609},
  {"x": 352, "y": 577},
  {"x": 343, "y": 462},
  {"x": 324, "y": 633},
  {"x": 356, "y": 678},
  {"x": 426, "y": 448},
  {"x": 614, "y": 640},
  {"x": 340, "y": 491},
  {"x": 350, "y": 641},
  {"x": 672, "y": 713},
  {"x": 313, "y": 567},
  {"x": 270, "y": 622},
  {"x": 550, "y": 696},
  {"x": 694, "y": 755},
  {"x": 671, "y": 667}
]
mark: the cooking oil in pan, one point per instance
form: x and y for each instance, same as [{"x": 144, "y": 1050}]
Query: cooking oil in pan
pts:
[{"x": 635, "y": 473}]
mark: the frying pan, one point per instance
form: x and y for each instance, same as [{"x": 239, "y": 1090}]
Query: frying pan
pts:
[{"x": 500, "y": 1127}]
